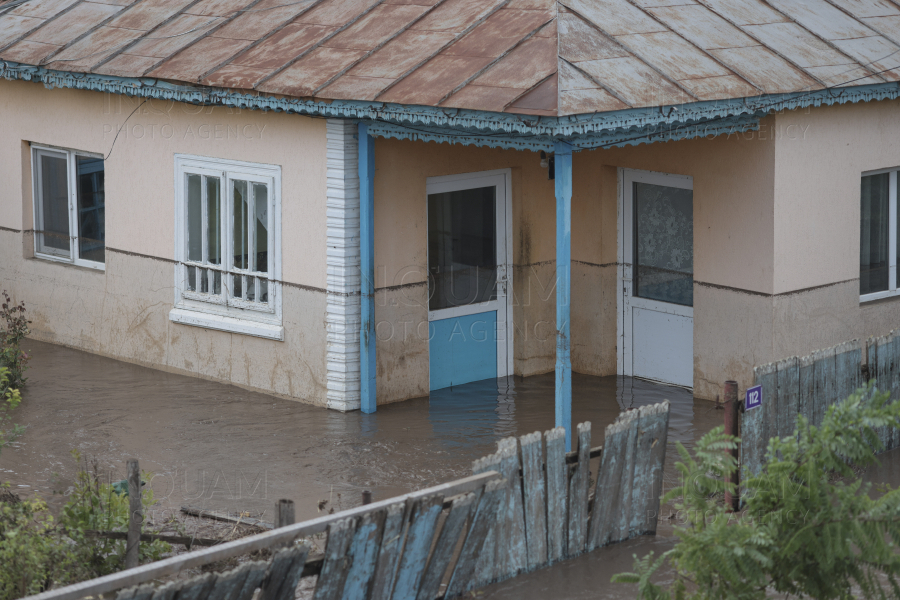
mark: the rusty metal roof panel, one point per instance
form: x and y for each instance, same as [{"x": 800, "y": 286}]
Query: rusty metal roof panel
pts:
[
  {"x": 93, "y": 48},
  {"x": 823, "y": 19},
  {"x": 702, "y": 27},
  {"x": 745, "y": 12},
  {"x": 12, "y": 27},
  {"x": 531, "y": 56},
  {"x": 205, "y": 54},
  {"x": 316, "y": 68},
  {"x": 765, "y": 69}
]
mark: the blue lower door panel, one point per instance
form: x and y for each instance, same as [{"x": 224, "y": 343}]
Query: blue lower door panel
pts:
[{"x": 463, "y": 349}]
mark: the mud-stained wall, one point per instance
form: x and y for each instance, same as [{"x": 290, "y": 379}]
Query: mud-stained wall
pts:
[{"x": 123, "y": 312}]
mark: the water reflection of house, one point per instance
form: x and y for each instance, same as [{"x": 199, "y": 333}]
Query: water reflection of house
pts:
[{"x": 666, "y": 191}]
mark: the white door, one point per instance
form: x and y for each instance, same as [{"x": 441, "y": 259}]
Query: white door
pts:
[
  {"x": 656, "y": 276},
  {"x": 469, "y": 278}
]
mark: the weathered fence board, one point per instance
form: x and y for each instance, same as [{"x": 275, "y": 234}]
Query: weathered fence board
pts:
[
  {"x": 810, "y": 384},
  {"x": 557, "y": 509},
  {"x": 463, "y": 578},
  {"x": 522, "y": 513},
  {"x": 532, "y": 448},
  {"x": 363, "y": 555},
  {"x": 578, "y": 492},
  {"x": 389, "y": 552},
  {"x": 422, "y": 522},
  {"x": 284, "y": 574},
  {"x": 460, "y": 511},
  {"x": 650, "y": 455}
]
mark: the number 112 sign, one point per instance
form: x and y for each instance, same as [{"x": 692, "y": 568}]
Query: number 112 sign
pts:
[{"x": 754, "y": 397}]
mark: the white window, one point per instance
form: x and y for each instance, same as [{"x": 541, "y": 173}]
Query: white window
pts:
[
  {"x": 878, "y": 236},
  {"x": 69, "y": 206},
  {"x": 228, "y": 246}
]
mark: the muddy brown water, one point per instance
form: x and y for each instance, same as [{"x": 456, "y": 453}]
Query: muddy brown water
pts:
[{"x": 221, "y": 447}]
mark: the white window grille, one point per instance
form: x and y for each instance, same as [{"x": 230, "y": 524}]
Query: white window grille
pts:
[{"x": 228, "y": 246}]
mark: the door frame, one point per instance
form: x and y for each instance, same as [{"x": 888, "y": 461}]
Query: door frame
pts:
[
  {"x": 502, "y": 178},
  {"x": 624, "y": 265}
]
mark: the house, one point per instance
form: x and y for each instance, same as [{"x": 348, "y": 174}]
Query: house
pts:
[{"x": 354, "y": 202}]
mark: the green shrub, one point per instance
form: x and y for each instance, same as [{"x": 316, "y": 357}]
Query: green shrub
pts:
[
  {"x": 13, "y": 329},
  {"x": 10, "y": 398},
  {"x": 809, "y": 527}
]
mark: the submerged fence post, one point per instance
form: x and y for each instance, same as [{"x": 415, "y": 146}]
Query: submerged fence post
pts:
[
  {"x": 135, "y": 515},
  {"x": 284, "y": 513},
  {"x": 732, "y": 409}
]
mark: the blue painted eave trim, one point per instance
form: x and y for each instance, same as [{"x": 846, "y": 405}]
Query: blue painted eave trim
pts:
[{"x": 459, "y": 121}]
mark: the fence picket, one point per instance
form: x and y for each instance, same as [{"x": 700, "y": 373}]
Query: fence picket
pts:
[
  {"x": 806, "y": 398},
  {"x": 895, "y": 381},
  {"x": 487, "y": 568},
  {"x": 422, "y": 523},
  {"x": 284, "y": 573},
  {"x": 473, "y": 552},
  {"x": 785, "y": 409},
  {"x": 197, "y": 588},
  {"x": 608, "y": 490},
  {"x": 512, "y": 552},
  {"x": 364, "y": 555},
  {"x": 650, "y": 455},
  {"x": 138, "y": 592},
  {"x": 535, "y": 499},
  {"x": 578, "y": 492},
  {"x": 557, "y": 508},
  {"x": 460, "y": 510},
  {"x": 239, "y": 583},
  {"x": 389, "y": 552}
]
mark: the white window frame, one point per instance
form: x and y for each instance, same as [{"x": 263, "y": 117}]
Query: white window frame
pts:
[
  {"x": 892, "y": 237},
  {"x": 38, "y": 218},
  {"x": 212, "y": 311}
]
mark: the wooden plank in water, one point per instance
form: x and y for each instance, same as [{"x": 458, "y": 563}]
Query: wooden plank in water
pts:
[
  {"x": 557, "y": 507},
  {"x": 363, "y": 555},
  {"x": 420, "y": 533},
  {"x": 535, "y": 499},
  {"x": 473, "y": 552},
  {"x": 283, "y": 574},
  {"x": 330, "y": 584},
  {"x": 389, "y": 552},
  {"x": 622, "y": 521},
  {"x": 607, "y": 492},
  {"x": 487, "y": 568},
  {"x": 511, "y": 554},
  {"x": 460, "y": 511},
  {"x": 578, "y": 492},
  {"x": 650, "y": 457}
]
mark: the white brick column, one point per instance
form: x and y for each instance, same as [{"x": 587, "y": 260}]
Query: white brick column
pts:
[{"x": 342, "y": 320}]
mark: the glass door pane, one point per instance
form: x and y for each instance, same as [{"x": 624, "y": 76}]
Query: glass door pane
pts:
[
  {"x": 664, "y": 243},
  {"x": 462, "y": 247},
  {"x": 53, "y": 205},
  {"x": 874, "y": 241}
]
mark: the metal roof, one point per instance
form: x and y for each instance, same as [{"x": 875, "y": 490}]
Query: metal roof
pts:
[{"x": 532, "y": 57}]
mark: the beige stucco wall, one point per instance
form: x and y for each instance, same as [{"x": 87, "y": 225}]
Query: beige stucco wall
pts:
[{"x": 123, "y": 312}]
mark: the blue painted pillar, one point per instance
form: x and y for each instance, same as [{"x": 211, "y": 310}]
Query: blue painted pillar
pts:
[
  {"x": 367, "y": 269},
  {"x": 563, "y": 168}
]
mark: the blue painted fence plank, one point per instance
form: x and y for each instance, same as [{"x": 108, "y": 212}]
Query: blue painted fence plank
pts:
[
  {"x": 650, "y": 458},
  {"x": 578, "y": 492},
  {"x": 451, "y": 532},
  {"x": 473, "y": 552},
  {"x": 422, "y": 523},
  {"x": 557, "y": 507},
  {"x": 535, "y": 497},
  {"x": 363, "y": 555},
  {"x": 330, "y": 583}
]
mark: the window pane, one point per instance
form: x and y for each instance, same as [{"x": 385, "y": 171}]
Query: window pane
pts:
[
  {"x": 53, "y": 236},
  {"x": 873, "y": 235},
  {"x": 664, "y": 243},
  {"x": 192, "y": 278},
  {"x": 462, "y": 247},
  {"x": 91, "y": 208},
  {"x": 236, "y": 288},
  {"x": 195, "y": 218},
  {"x": 261, "y": 199},
  {"x": 241, "y": 251},
  {"x": 214, "y": 220},
  {"x": 263, "y": 290}
]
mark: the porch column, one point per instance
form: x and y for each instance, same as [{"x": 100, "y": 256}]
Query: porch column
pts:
[
  {"x": 367, "y": 268},
  {"x": 563, "y": 180}
]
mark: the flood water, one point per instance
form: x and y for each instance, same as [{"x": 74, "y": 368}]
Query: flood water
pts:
[{"x": 218, "y": 446}]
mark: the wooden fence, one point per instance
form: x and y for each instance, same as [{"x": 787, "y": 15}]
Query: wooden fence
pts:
[
  {"x": 808, "y": 385},
  {"x": 527, "y": 506}
]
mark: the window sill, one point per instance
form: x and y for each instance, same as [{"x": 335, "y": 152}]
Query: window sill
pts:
[
  {"x": 229, "y": 324},
  {"x": 83, "y": 265},
  {"x": 870, "y": 298}
]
